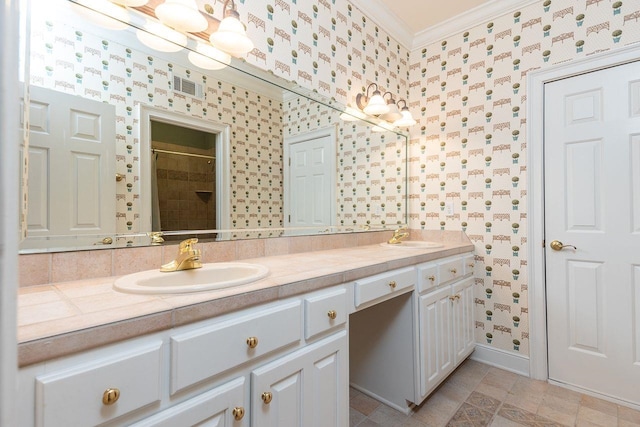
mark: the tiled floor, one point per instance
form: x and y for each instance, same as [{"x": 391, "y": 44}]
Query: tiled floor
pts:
[{"x": 479, "y": 395}]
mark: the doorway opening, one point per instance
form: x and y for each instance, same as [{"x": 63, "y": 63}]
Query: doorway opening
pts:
[
  {"x": 183, "y": 178},
  {"x": 185, "y": 173}
]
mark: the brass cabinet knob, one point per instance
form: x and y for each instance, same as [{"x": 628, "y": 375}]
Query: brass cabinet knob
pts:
[
  {"x": 332, "y": 314},
  {"x": 432, "y": 278},
  {"x": 452, "y": 298},
  {"x": 110, "y": 396},
  {"x": 238, "y": 413},
  {"x": 252, "y": 342},
  {"x": 392, "y": 284},
  {"x": 457, "y": 296},
  {"x": 267, "y": 397},
  {"x": 119, "y": 177},
  {"x": 453, "y": 271},
  {"x": 471, "y": 265}
]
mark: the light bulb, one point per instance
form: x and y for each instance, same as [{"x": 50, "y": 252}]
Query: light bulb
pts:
[
  {"x": 161, "y": 38},
  {"x": 130, "y": 3},
  {"x": 376, "y": 105},
  {"x": 406, "y": 120},
  {"x": 231, "y": 37},
  {"x": 182, "y": 15},
  {"x": 209, "y": 58}
]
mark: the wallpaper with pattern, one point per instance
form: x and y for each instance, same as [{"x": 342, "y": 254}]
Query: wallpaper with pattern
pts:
[{"x": 469, "y": 147}]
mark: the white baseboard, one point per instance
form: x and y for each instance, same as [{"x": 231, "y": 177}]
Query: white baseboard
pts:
[{"x": 501, "y": 359}]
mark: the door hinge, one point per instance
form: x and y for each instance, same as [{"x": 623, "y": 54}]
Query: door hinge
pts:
[
  {"x": 289, "y": 161},
  {"x": 289, "y": 219},
  {"x": 544, "y": 243}
]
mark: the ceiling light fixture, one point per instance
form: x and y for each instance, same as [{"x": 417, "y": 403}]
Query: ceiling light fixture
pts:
[
  {"x": 231, "y": 36},
  {"x": 183, "y": 15},
  {"x": 374, "y": 105},
  {"x": 407, "y": 119}
]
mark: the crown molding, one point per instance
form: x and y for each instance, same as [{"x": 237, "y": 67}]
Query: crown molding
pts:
[
  {"x": 387, "y": 20},
  {"x": 466, "y": 20}
]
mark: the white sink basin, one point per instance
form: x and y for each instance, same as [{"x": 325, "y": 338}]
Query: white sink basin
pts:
[
  {"x": 209, "y": 277},
  {"x": 414, "y": 244}
]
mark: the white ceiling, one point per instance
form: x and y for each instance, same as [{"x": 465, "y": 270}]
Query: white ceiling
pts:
[{"x": 419, "y": 15}]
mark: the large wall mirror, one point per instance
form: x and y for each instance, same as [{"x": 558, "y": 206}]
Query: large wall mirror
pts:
[{"x": 132, "y": 134}]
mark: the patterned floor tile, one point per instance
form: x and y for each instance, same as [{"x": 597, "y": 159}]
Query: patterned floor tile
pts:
[
  {"x": 520, "y": 416},
  {"x": 484, "y": 402},
  {"x": 470, "y": 416}
]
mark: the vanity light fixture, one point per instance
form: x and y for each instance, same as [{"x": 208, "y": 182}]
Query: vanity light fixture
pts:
[
  {"x": 183, "y": 15},
  {"x": 351, "y": 114},
  {"x": 158, "y": 36},
  {"x": 394, "y": 113},
  {"x": 208, "y": 57},
  {"x": 102, "y": 13},
  {"x": 374, "y": 105},
  {"x": 383, "y": 127},
  {"x": 231, "y": 36},
  {"x": 407, "y": 119},
  {"x": 130, "y": 3}
]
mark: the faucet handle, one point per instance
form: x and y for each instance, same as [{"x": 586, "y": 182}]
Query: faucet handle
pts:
[{"x": 187, "y": 245}]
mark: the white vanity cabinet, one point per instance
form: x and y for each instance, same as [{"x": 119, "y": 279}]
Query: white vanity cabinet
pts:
[
  {"x": 214, "y": 372},
  {"x": 445, "y": 319},
  {"x": 307, "y": 388}
]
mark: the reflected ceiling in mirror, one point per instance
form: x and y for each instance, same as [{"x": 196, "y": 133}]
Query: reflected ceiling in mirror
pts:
[{"x": 262, "y": 113}]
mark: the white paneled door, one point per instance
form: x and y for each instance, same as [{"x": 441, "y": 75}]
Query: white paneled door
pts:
[
  {"x": 309, "y": 189},
  {"x": 592, "y": 207},
  {"x": 72, "y": 166}
]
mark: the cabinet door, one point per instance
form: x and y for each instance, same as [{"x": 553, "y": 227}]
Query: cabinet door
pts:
[
  {"x": 436, "y": 355},
  {"x": 221, "y": 407},
  {"x": 463, "y": 337},
  {"x": 304, "y": 389}
]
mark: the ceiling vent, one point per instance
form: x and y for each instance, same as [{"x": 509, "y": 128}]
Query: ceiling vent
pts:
[{"x": 188, "y": 87}]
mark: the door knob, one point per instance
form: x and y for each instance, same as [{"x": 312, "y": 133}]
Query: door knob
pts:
[{"x": 557, "y": 245}]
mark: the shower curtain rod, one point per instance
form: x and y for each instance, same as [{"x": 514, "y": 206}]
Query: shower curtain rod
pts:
[{"x": 157, "y": 150}]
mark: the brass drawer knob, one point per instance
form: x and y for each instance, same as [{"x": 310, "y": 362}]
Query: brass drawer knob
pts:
[
  {"x": 252, "y": 342},
  {"x": 471, "y": 265},
  {"x": 392, "y": 284},
  {"x": 332, "y": 314},
  {"x": 452, "y": 298},
  {"x": 110, "y": 396},
  {"x": 453, "y": 271},
  {"x": 267, "y": 397},
  {"x": 238, "y": 413},
  {"x": 432, "y": 278}
]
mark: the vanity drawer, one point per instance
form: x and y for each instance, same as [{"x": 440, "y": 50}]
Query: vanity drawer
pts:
[
  {"x": 449, "y": 271},
  {"x": 74, "y": 397},
  {"x": 205, "y": 352},
  {"x": 325, "y": 311},
  {"x": 427, "y": 277},
  {"x": 469, "y": 262},
  {"x": 383, "y": 285}
]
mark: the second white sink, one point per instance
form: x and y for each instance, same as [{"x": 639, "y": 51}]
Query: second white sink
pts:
[
  {"x": 414, "y": 244},
  {"x": 209, "y": 277}
]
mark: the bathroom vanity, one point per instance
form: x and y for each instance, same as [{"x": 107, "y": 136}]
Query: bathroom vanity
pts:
[{"x": 392, "y": 323}]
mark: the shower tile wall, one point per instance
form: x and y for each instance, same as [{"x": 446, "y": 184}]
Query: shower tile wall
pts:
[{"x": 186, "y": 189}]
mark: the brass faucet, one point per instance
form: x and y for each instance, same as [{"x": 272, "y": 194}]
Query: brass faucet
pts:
[
  {"x": 188, "y": 257},
  {"x": 156, "y": 238},
  {"x": 399, "y": 235}
]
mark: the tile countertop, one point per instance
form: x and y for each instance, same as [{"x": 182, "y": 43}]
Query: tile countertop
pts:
[{"x": 64, "y": 318}]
